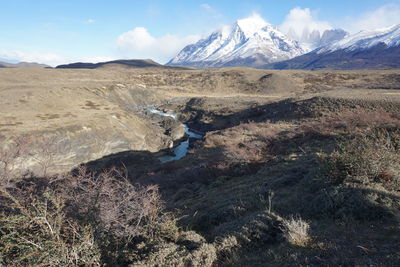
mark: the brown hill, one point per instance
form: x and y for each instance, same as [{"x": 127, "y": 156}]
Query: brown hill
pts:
[
  {"x": 135, "y": 63},
  {"x": 23, "y": 65}
]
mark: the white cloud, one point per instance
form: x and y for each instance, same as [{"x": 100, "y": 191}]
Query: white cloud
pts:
[
  {"x": 139, "y": 43},
  {"x": 51, "y": 59},
  {"x": 39, "y": 57},
  {"x": 384, "y": 16},
  {"x": 299, "y": 20}
]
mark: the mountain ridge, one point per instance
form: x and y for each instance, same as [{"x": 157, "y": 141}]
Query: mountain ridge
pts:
[
  {"x": 135, "y": 63},
  {"x": 378, "y": 49},
  {"x": 250, "y": 42}
]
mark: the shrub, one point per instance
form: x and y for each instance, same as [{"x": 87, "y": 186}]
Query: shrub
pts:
[
  {"x": 81, "y": 219},
  {"x": 371, "y": 157},
  {"x": 114, "y": 204},
  {"x": 361, "y": 174},
  {"x": 350, "y": 122},
  {"x": 10, "y": 153},
  {"x": 36, "y": 232}
]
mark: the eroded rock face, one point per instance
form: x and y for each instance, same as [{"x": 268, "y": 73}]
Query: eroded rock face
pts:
[
  {"x": 64, "y": 123},
  {"x": 66, "y": 147}
]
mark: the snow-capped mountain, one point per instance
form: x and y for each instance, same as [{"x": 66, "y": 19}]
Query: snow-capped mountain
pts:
[
  {"x": 362, "y": 40},
  {"x": 311, "y": 40},
  {"x": 363, "y": 50},
  {"x": 248, "y": 42},
  {"x": 331, "y": 36}
]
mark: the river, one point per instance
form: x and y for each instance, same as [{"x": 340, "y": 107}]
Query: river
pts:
[{"x": 182, "y": 148}]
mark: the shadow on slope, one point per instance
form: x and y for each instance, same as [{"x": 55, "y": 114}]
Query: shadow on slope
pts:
[{"x": 258, "y": 167}]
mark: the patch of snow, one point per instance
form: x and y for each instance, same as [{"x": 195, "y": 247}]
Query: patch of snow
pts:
[{"x": 366, "y": 39}]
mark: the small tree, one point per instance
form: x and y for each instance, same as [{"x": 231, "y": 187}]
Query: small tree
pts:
[{"x": 11, "y": 152}]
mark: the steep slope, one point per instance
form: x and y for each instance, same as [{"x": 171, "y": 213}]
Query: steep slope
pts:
[
  {"x": 331, "y": 36},
  {"x": 376, "y": 49},
  {"x": 249, "y": 42}
]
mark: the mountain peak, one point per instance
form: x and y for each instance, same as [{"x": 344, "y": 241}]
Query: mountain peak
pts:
[
  {"x": 252, "y": 24},
  {"x": 251, "y": 42}
]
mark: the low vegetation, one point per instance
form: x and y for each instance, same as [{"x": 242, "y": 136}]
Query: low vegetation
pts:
[
  {"x": 315, "y": 184},
  {"x": 312, "y": 182},
  {"x": 296, "y": 231},
  {"x": 86, "y": 219}
]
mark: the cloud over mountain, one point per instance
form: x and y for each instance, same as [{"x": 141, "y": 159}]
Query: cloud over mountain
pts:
[
  {"x": 301, "y": 20},
  {"x": 139, "y": 43},
  {"x": 32, "y": 56}
]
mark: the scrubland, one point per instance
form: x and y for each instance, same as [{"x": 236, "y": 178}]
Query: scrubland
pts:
[{"x": 295, "y": 168}]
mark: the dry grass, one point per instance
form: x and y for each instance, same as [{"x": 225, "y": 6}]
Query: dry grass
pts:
[
  {"x": 246, "y": 142},
  {"x": 350, "y": 121},
  {"x": 102, "y": 218},
  {"x": 296, "y": 231},
  {"x": 91, "y": 104}
]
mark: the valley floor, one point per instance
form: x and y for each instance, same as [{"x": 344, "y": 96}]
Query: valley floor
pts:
[{"x": 296, "y": 168}]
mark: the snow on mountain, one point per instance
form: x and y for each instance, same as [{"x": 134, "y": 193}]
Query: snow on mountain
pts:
[
  {"x": 331, "y": 36},
  {"x": 310, "y": 40},
  {"x": 378, "y": 49},
  {"x": 248, "y": 42},
  {"x": 362, "y": 40}
]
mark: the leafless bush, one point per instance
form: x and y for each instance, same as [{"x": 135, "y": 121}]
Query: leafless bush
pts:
[
  {"x": 117, "y": 206},
  {"x": 19, "y": 156},
  {"x": 11, "y": 152},
  {"x": 35, "y": 231},
  {"x": 44, "y": 153},
  {"x": 71, "y": 219}
]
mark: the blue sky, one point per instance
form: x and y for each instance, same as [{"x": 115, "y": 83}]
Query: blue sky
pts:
[{"x": 58, "y": 31}]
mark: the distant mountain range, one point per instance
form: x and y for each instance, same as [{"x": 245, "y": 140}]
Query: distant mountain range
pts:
[
  {"x": 22, "y": 65},
  {"x": 136, "y": 63},
  {"x": 364, "y": 50},
  {"x": 252, "y": 42},
  {"x": 315, "y": 39},
  {"x": 249, "y": 42}
]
